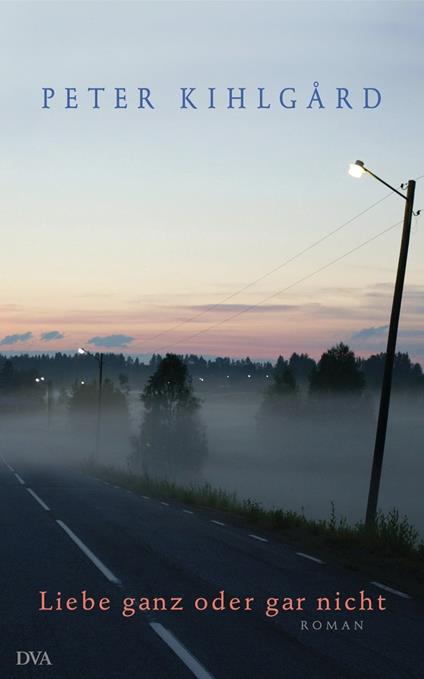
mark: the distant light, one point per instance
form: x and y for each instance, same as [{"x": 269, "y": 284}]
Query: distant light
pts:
[
  {"x": 81, "y": 351},
  {"x": 249, "y": 376},
  {"x": 267, "y": 376},
  {"x": 356, "y": 169},
  {"x": 82, "y": 382},
  {"x": 42, "y": 379},
  {"x": 228, "y": 377},
  {"x": 201, "y": 379},
  {"x": 37, "y": 379}
]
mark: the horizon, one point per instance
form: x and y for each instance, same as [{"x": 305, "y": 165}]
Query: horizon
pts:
[
  {"x": 145, "y": 358},
  {"x": 188, "y": 231}
]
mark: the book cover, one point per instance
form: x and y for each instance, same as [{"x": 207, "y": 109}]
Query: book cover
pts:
[{"x": 211, "y": 343}]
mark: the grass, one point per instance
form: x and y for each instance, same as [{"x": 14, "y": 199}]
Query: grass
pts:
[{"x": 392, "y": 548}]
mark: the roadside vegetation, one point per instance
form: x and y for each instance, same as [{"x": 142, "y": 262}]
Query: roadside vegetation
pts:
[{"x": 392, "y": 550}]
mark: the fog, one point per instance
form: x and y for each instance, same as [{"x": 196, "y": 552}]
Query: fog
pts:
[
  {"x": 303, "y": 462},
  {"x": 313, "y": 461}
]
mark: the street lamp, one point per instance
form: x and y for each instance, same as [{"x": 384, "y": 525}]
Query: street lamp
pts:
[
  {"x": 99, "y": 358},
  {"x": 357, "y": 169}
]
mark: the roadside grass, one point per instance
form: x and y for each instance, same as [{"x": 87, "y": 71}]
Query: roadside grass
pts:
[{"x": 393, "y": 546}]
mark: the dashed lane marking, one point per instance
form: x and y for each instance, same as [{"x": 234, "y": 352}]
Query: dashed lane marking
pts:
[
  {"x": 87, "y": 551},
  {"x": 38, "y": 499},
  {"x": 390, "y": 589},
  {"x": 181, "y": 651},
  {"x": 311, "y": 558},
  {"x": 7, "y": 464},
  {"x": 257, "y": 537}
]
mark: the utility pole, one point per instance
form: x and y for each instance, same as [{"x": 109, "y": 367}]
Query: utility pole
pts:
[
  {"x": 99, "y": 358},
  {"x": 99, "y": 406},
  {"x": 383, "y": 413}
]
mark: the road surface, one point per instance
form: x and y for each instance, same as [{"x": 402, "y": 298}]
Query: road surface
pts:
[{"x": 65, "y": 532}]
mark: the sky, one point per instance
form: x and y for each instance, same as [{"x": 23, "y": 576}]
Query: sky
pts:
[{"x": 122, "y": 228}]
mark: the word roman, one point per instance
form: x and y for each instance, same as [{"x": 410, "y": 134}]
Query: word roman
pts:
[
  {"x": 209, "y": 98},
  {"x": 332, "y": 625},
  {"x": 130, "y": 605}
]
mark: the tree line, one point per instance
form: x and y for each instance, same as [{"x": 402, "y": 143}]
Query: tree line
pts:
[
  {"x": 171, "y": 439},
  {"x": 66, "y": 369}
]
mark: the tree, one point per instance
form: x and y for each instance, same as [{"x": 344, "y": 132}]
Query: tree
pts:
[
  {"x": 284, "y": 379},
  {"x": 114, "y": 423},
  {"x": 280, "y": 399},
  {"x": 172, "y": 438},
  {"x": 337, "y": 371},
  {"x": 18, "y": 389},
  {"x": 406, "y": 375},
  {"x": 302, "y": 365},
  {"x": 83, "y": 398}
]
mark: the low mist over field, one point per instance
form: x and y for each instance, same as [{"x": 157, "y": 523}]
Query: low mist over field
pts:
[{"x": 273, "y": 434}]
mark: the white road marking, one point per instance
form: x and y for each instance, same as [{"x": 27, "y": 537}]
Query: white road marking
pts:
[
  {"x": 165, "y": 504},
  {"x": 181, "y": 651},
  {"x": 7, "y": 464},
  {"x": 257, "y": 537},
  {"x": 38, "y": 499},
  {"x": 311, "y": 558},
  {"x": 20, "y": 479},
  {"x": 145, "y": 497},
  {"x": 218, "y": 523},
  {"x": 187, "y": 511},
  {"x": 99, "y": 564},
  {"x": 390, "y": 589}
]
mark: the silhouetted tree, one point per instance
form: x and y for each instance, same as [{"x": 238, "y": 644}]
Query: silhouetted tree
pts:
[
  {"x": 302, "y": 365},
  {"x": 114, "y": 423},
  {"x": 83, "y": 398},
  {"x": 337, "y": 371},
  {"x": 284, "y": 379},
  {"x": 172, "y": 438},
  {"x": 280, "y": 398},
  {"x": 406, "y": 375},
  {"x": 18, "y": 389}
]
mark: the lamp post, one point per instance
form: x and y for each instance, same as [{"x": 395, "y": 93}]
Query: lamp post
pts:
[
  {"x": 42, "y": 380},
  {"x": 357, "y": 169},
  {"x": 99, "y": 358}
]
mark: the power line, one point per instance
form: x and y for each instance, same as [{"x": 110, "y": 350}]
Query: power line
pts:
[
  {"x": 288, "y": 287},
  {"x": 268, "y": 273}
]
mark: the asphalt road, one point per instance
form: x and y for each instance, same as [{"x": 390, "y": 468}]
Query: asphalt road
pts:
[{"x": 64, "y": 532}]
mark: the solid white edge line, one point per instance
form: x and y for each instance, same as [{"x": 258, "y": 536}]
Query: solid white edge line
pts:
[
  {"x": 390, "y": 589},
  {"x": 311, "y": 558},
  {"x": 218, "y": 523},
  {"x": 181, "y": 651},
  {"x": 38, "y": 499},
  {"x": 99, "y": 564},
  {"x": 257, "y": 537},
  {"x": 20, "y": 479}
]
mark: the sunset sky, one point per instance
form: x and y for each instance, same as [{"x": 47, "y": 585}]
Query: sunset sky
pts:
[{"x": 118, "y": 225}]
